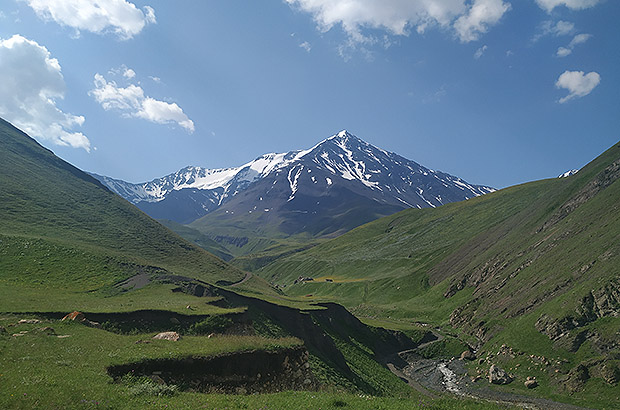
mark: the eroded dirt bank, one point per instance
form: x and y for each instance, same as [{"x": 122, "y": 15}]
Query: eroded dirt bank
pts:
[{"x": 240, "y": 372}]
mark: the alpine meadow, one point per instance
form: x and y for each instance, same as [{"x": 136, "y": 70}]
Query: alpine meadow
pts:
[{"x": 186, "y": 223}]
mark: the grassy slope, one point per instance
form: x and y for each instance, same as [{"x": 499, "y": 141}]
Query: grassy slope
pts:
[
  {"x": 198, "y": 238},
  {"x": 416, "y": 252},
  {"x": 64, "y": 242},
  {"x": 70, "y": 373},
  {"x": 509, "y": 270},
  {"x": 66, "y": 212}
]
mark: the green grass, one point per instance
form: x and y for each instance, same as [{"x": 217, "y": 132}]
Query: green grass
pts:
[
  {"x": 65, "y": 242},
  {"x": 61, "y": 372},
  {"x": 503, "y": 269},
  {"x": 43, "y": 197},
  {"x": 43, "y": 371},
  {"x": 198, "y": 238}
]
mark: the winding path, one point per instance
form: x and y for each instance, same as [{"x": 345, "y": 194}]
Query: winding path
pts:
[{"x": 247, "y": 277}]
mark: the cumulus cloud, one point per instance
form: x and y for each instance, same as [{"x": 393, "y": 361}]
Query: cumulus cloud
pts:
[
  {"x": 549, "y": 5},
  {"x": 97, "y": 16},
  {"x": 578, "y": 39},
  {"x": 577, "y": 83},
  {"x": 31, "y": 85},
  {"x": 398, "y": 17},
  {"x": 481, "y": 15},
  {"x": 129, "y": 73},
  {"x": 132, "y": 102},
  {"x": 480, "y": 52}
]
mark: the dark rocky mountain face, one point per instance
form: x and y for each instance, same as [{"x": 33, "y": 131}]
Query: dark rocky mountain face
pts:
[{"x": 340, "y": 175}]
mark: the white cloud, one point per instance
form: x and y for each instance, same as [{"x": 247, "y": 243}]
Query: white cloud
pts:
[
  {"x": 31, "y": 84},
  {"x": 578, "y": 39},
  {"x": 398, "y": 17},
  {"x": 561, "y": 28},
  {"x": 162, "y": 112},
  {"x": 549, "y": 5},
  {"x": 556, "y": 29},
  {"x": 306, "y": 46},
  {"x": 577, "y": 83},
  {"x": 129, "y": 73},
  {"x": 132, "y": 102},
  {"x": 563, "y": 52},
  {"x": 481, "y": 15},
  {"x": 97, "y": 16},
  {"x": 480, "y": 52}
]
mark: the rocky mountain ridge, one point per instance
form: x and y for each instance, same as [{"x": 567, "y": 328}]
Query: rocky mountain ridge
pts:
[{"x": 340, "y": 161}]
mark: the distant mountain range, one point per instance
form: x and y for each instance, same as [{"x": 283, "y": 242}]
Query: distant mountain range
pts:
[{"x": 340, "y": 183}]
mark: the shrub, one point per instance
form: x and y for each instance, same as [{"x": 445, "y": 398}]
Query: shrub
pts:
[{"x": 211, "y": 324}]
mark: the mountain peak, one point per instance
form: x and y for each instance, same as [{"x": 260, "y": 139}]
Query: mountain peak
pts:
[
  {"x": 343, "y": 161},
  {"x": 342, "y": 135}
]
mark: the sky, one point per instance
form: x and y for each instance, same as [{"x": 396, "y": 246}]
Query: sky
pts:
[{"x": 496, "y": 92}]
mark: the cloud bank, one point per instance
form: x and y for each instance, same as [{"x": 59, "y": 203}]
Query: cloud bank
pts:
[
  {"x": 97, "y": 16},
  {"x": 397, "y": 17},
  {"x": 549, "y": 5},
  {"x": 31, "y": 85},
  {"x": 132, "y": 102}
]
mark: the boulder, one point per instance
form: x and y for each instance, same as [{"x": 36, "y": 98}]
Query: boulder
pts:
[
  {"x": 497, "y": 375},
  {"x": 75, "y": 316},
  {"x": 173, "y": 336},
  {"x": 48, "y": 330},
  {"x": 28, "y": 321},
  {"x": 531, "y": 382},
  {"x": 468, "y": 355}
]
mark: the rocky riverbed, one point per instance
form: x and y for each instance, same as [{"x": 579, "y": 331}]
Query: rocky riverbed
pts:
[{"x": 450, "y": 376}]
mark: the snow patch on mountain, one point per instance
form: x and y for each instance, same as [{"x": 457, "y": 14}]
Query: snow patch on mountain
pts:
[
  {"x": 340, "y": 160},
  {"x": 568, "y": 173}
]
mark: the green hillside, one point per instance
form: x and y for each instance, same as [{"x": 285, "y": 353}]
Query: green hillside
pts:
[
  {"x": 529, "y": 272},
  {"x": 67, "y": 243},
  {"x": 535, "y": 267},
  {"x": 88, "y": 237}
]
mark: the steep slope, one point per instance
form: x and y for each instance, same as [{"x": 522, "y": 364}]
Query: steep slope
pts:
[
  {"x": 468, "y": 244},
  {"x": 534, "y": 266},
  {"x": 48, "y": 206}
]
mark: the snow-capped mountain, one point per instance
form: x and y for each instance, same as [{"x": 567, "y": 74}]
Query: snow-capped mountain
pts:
[{"x": 308, "y": 182}]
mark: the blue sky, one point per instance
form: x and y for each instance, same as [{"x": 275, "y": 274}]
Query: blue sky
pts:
[{"x": 497, "y": 92}]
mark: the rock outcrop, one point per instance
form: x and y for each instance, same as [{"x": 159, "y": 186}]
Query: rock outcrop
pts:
[
  {"x": 172, "y": 336},
  {"x": 577, "y": 378},
  {"x": 498, "y": 375},
  {"x": 76, "y": 316}
]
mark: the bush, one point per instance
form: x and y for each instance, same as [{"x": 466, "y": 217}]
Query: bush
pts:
[
  {"x": 211, "y": 324},
  {"x": 147, "y": 387}
]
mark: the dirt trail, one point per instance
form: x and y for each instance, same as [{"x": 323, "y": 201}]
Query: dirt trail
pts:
[{"x": 247, "y": 277}]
